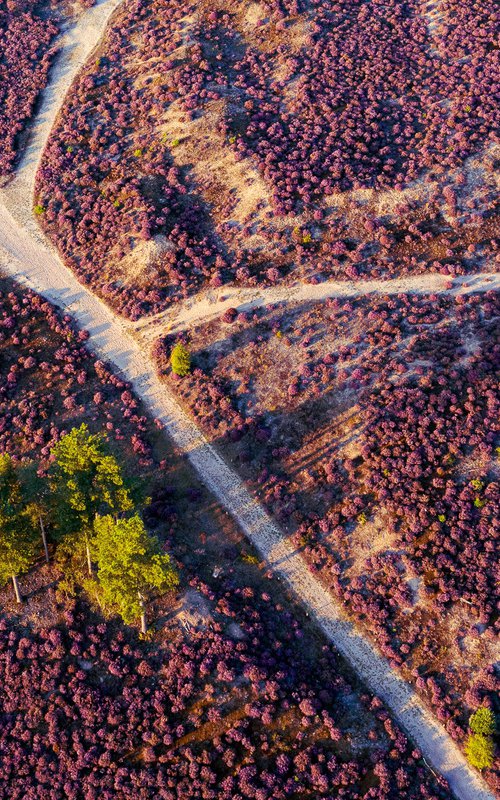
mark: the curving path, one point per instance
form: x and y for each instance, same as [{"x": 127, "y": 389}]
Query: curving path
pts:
[
  {"x": 27, "y": 257},
  {"x": 210, "y": 304}
]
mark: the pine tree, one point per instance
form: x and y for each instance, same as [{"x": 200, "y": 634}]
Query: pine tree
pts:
[
  {"x": 180, "y": 360},
  {"x": 86, "y": 480},
  {"x": 17, "y": 536},
  {"x": 130, "y": 565},
  {"x": 38, "y": 500},
  {"x": 480, "y": 751},
  {"x": 482, "y": 721}
]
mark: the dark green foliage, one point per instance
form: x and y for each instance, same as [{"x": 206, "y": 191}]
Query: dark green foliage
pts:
[{"x": 17, "y": 535}]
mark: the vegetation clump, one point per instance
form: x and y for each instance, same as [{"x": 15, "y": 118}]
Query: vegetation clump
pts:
[
  {"x": 480, "y": 747},
  {"x": 180, "y": 360},
  {"x": 92, "y": 513}
]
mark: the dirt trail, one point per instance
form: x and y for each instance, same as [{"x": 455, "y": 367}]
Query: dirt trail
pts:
[
  {"x": 33, "y": 264},
  {"x": 26, "y": 256},
  {"x": 210, "y": 304},
  {"x": 75, "y": 45}
]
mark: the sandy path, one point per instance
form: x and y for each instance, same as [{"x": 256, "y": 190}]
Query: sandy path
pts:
[
  {"x": 75, "y": 45},
  {"x": 33, "y": 264},
  {"x": 25, "y": 255},
  {"x": 210, "y": 304}
]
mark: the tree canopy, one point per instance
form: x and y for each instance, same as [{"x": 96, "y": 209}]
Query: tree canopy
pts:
[
  {"x": 482, "y": 721},
  {"x": 180, "y": 360},
  {"x": 17, "y": 535},
  {"x": 88, "y": 501},
  {"x": 130, "y": 564},
  {"x": 480, "y": 751},
  {"x": 87, "y": 478}
]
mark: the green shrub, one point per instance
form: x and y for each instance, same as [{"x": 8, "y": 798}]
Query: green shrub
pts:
[
  {"x": 39, "y": 209},
  {"x": 248, "y": 558},
  {"x": 479, "y": 751},
  {"x": 482, "y": 722},
  {"x": 180, "y": 360}
]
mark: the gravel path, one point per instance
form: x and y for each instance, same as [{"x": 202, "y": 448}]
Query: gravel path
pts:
[
  {"x": 32, "y": 263},
  {"x": 26, "y": 256}
]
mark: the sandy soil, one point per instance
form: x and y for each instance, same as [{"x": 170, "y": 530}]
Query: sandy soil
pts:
[{"x": 210, "y": 304}]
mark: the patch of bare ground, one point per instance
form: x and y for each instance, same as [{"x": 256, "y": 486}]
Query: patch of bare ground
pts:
[
  {"x": 261, "y": 29},
  {"x": 141, "y": 264},
  {"x": 465, "y": 646},
  {"x": 369, "y": 539},
  {"x": 432, "y": 13},
  {"x": 476, "y": 184},
  {"x": 233, "y": 189}
]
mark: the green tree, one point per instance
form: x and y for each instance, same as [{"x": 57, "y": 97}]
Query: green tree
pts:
[
  {"x": 180, "y": 360},
  {"x": 480, "y": 751},
  {"x": 482, "y": 722},
  {"x": 86, "y": 480},
  {"x": 130, "y": 565},
  {"x": 17, "y": 537},
  {"x": 38, "y": 500}
]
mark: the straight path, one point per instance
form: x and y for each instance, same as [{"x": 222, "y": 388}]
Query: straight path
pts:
[
  {"x": 32, "y": 263},
  {"x": 27, "y": 257}
]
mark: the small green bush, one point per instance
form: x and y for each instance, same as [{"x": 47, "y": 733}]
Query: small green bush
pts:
[
  {"x": 39, "y": 209},
  {"x": 479, "y": 751},
  {"x": 482, "y": 722},
  {"x": 180, "y": 360},
  {"x": 248, "y": 558}
]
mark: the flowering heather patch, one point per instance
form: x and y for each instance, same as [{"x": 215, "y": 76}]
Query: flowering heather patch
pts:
[
  {"x": 27, "y": 31},
  {"x": 100, "y": 714},
  {"x": 213, "y": 142},
  {"x": 248, "y": 705},
  {"x": 369, "y": 427},
  {"x": 50, "y": 382}
]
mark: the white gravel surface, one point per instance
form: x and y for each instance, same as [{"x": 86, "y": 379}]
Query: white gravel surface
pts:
[{"x": 26, "y": 256}]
